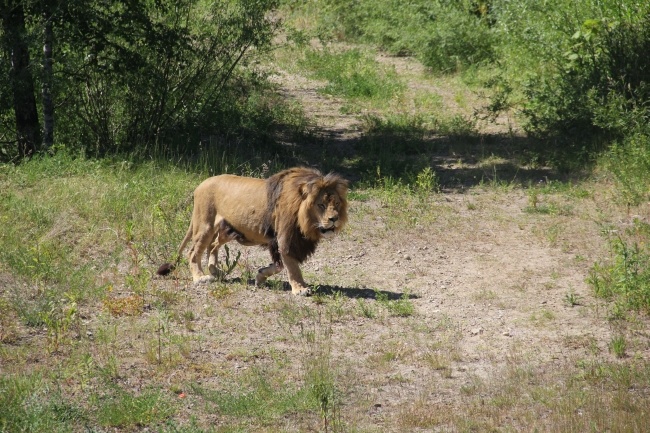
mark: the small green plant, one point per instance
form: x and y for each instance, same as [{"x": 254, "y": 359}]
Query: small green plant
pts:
[
  {"x": 426, "y": 182},
  {"x": 618, "y": 346},
  {"x": 229, "y": 263},
  {"x": 627, "y": 277},
  {"x": 572, "y": 299},
  {"x": 402, "y": 307},
  {"x": 365, "y": 309},
  {"x": 57, "y": 318}
]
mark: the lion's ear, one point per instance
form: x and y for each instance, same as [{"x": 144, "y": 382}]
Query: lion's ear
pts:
[{"x": 306, "y": 188}]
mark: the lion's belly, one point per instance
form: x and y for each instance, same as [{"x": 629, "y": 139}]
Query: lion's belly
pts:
[
  {"x": 247, "y": 223},
  {"x": 241, "y": 202}
]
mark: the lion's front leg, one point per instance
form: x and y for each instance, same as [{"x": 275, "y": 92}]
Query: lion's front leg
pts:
[
  {"x": 298, "y": 285},
  {"x": 266, "y": 272}
]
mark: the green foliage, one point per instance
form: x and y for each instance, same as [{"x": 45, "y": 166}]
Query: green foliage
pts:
[
  {"x": 445, "y": 36},
  {"x": 151, "y": 76},
  {"x": 627, "y": 278},
  {"x": 599, "y": 85}
]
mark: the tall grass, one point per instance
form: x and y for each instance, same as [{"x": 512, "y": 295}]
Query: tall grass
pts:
[
  {"x": 626, "y": 277},
  {"x": 353, "y": 74}
]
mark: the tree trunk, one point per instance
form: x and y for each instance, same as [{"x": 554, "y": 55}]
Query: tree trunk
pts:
[
  {"x": 20, "y": 77},
  {"x": 48, "y": 79}
]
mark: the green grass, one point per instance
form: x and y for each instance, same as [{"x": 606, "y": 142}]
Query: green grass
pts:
[
  {"x": 353, "y": 74},
  {"x": 259, "y": 396},
  {"x": 28, "y": 403}
]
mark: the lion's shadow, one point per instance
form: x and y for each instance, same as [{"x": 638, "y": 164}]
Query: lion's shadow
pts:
[
  {"x": 363, "y": 293},
  {"x": 328, "y": 290}
]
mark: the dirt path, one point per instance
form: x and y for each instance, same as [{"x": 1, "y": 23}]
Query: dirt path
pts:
[{"x": 495, "y": 287}]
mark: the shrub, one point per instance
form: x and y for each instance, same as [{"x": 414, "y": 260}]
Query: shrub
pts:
[
  {"x": 629, "y": 161},
  {"x": 600, "y": 83},
  {"x": 627, "y": 277}
]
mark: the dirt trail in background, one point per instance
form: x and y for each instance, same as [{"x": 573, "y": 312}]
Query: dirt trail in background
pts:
[{"x": 490, "y": 283}]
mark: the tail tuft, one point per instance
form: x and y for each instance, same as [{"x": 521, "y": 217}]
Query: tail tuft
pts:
[{"x": 165, "y": 269}]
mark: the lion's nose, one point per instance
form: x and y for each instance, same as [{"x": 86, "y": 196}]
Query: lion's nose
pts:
[{"x": 334, "y": 219}]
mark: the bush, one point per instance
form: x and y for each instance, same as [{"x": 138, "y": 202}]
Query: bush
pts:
[
  {"x": 629, "y": 161},
  {"x": 600, "y": 80}
]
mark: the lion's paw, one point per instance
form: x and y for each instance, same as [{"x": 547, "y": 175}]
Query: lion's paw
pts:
[
  {"x": 301, "y": 291},
  {"x": 205, "y": 279}
]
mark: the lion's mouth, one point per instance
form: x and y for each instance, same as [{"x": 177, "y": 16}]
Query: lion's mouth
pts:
[{"x": 327, "y": 230}]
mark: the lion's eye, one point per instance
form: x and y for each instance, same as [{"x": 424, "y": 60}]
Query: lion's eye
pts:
[{"x": 321, "y": 206}]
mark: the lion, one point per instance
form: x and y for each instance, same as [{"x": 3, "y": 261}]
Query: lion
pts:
[{"x": 289, "y": 213}]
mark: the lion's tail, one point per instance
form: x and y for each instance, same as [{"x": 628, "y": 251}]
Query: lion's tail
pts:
[{"x": 166, "y": 268}]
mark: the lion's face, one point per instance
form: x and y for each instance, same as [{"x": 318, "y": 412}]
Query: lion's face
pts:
[{"x": 326, "y": 213}]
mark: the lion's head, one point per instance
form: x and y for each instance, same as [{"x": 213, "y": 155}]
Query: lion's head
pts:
[{"x": 308, "y": 206}]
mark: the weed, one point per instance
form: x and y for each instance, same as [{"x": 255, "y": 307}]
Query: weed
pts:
[
  {"x": 58, "y": 318},
  {"x": 572, "y": 299},
  {"x": 229, "y": 263},
  {"x": 618, "y": 346},
  {"x": 627, "y": 277},
  {"x": 365, "y": 309}
]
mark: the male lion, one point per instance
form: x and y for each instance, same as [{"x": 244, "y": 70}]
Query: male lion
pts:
[{"x": 290, "y": 212}]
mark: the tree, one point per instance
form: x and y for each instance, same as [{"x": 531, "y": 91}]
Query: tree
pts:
[
  {"x": 21, "y": 81},
  {"x": 48, "y": 75},
  {"x": 126, "y": 75}
]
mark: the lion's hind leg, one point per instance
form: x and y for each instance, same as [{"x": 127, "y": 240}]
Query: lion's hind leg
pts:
[
  {"x": 224, "y": 234},
  {"x": 201, "y": 239}
]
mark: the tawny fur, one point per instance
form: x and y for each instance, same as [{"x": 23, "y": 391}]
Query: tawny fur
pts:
[{"x": 290, "y": 213}]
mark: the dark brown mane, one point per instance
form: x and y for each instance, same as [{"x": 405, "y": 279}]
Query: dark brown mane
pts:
[{"x": 295, "y": 243}]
